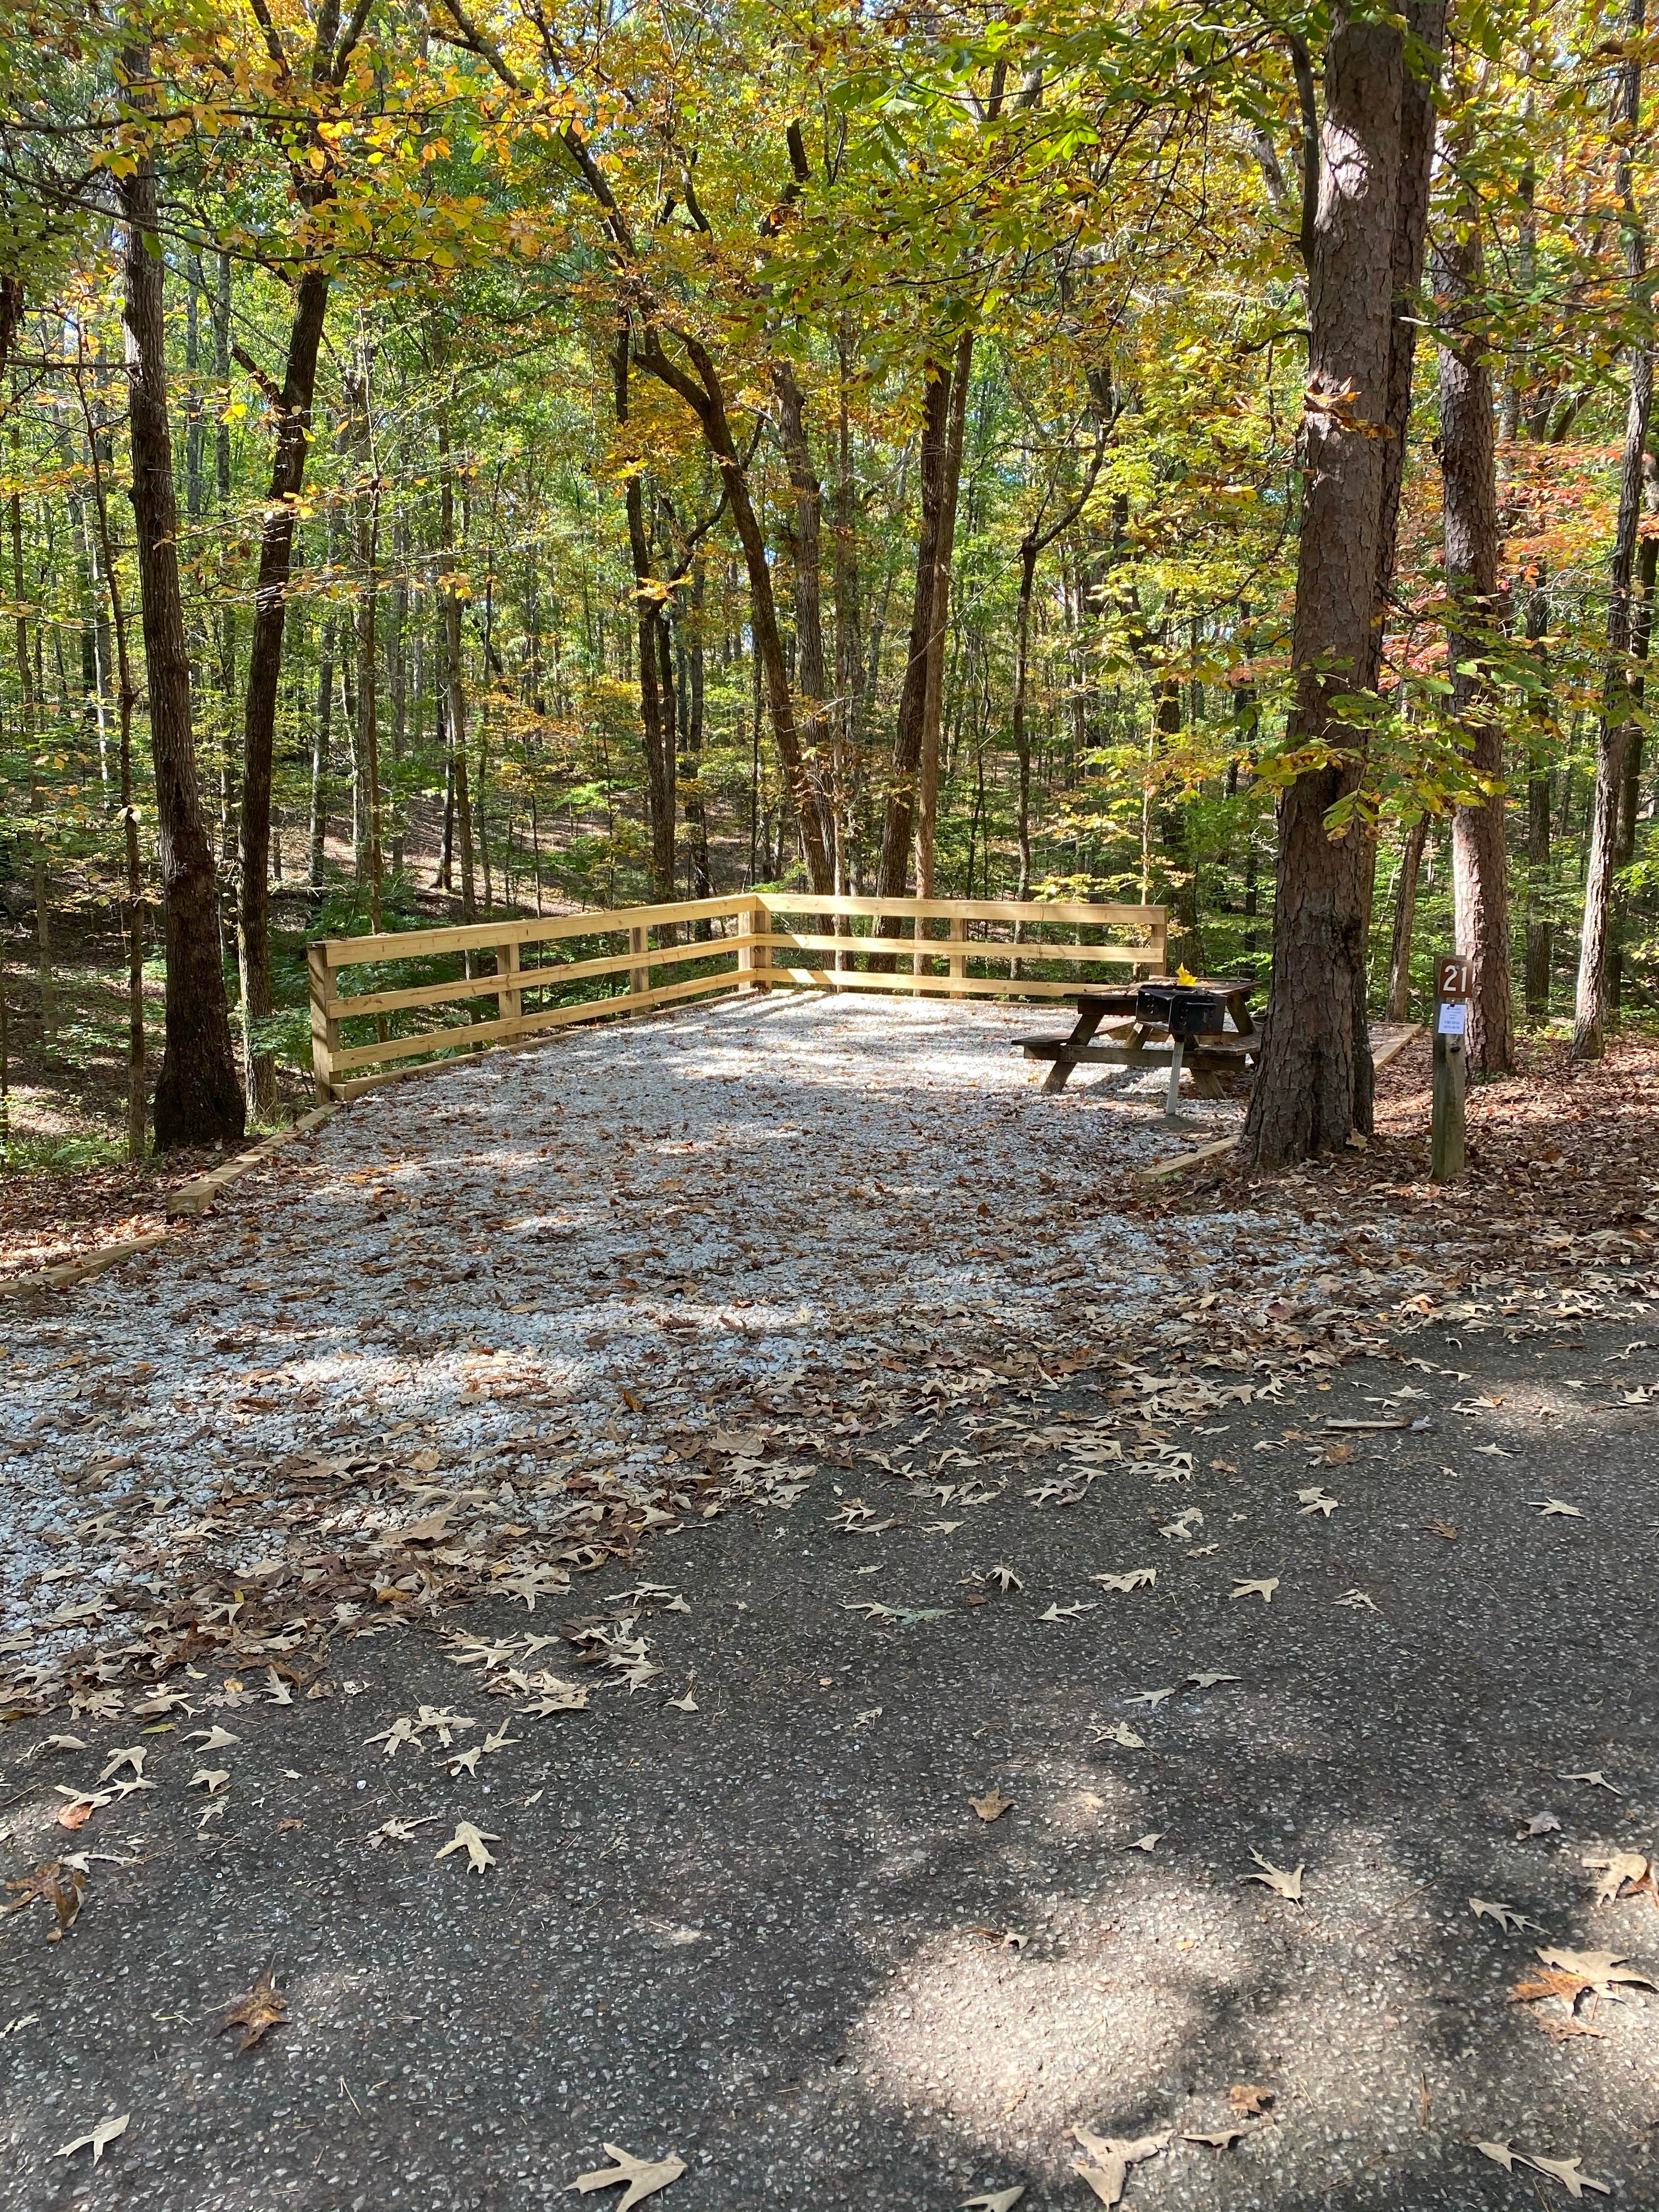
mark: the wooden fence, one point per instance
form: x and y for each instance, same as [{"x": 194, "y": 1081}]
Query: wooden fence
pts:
[{"x": 587, "y": 967}]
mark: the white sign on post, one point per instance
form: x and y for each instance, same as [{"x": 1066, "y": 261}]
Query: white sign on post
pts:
[{"x": 1454, "y": 1018}]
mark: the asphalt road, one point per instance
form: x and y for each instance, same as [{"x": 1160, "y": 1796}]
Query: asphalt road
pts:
[{"x": 771, "y": 1935}]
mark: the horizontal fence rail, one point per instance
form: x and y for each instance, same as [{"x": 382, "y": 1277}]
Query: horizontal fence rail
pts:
[{"x": 542, "y": 974}]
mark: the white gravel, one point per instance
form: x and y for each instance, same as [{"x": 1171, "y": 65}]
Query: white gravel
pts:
[{"x": 582, "y": 1247}]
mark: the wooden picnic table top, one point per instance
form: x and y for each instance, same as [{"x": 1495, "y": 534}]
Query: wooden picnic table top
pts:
[{"x": 1223, "y": 986}]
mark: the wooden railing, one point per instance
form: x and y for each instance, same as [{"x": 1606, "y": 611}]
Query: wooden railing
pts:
[{"x": 744, "y": 945}]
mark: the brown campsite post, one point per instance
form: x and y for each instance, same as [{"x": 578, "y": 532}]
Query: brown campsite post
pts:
[{"x": 1451, "y": 1013}]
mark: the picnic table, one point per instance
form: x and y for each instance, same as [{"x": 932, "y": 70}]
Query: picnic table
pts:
[{"x": 1137, "y": 1044}]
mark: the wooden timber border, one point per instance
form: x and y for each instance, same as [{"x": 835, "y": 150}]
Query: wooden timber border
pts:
[{"x": 740, "y": 942}]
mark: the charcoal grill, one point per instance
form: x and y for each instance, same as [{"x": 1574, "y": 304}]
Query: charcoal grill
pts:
[{"x": 1188, "y": 1013}]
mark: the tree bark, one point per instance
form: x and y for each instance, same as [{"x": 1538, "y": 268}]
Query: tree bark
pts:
[
  {"x": 939, "y": 620},
  {"x": 893, "y": 870},
  {"x": 1310, "y": 1090},
  {"x": 265, "y": 667},
  {"x": 1314, "y": 1082},
  {"x": 1613, "y": 737},
  {"x": 47, "y": 996},
  {"x": 1468, "y": 471},
  {"x": 805, "y": 544},
  {"x": 454, "y": 676},
  {"x": 126, "y": 698},
  {"x": 1630, "y": 786},
  {"x": 370, "y": 865},
  {"x": 198, "y": 1100},
  {"x": 1405, "y": 919},
  {"x": 648, "y": 625}
]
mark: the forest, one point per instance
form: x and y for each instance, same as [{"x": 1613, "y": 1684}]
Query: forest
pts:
[{"x": 467, "y": 459}]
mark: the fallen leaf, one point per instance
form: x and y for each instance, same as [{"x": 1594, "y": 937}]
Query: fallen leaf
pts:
[
  {"x": 60, "y": 1743},
  {"x": 1146, "y": 1843},
  {"x": 57, "y": 1884},
  {"x": 644, "y": 2176},
  {"x": 1216, "y": 2138},
  {"x": 1357, "y": 1601},
  {"x": 1442, "y": 1529},
  {"x": 1276, "y": 1878},
  {"x": 1552, "y": 1508},
  {"x": 264, "y": 2007},
  {"x": 993, "y": 1805},
  {"x": 1251, "y": 2098},
  {"x": 1599, "y": 1970},
  {"x": 213, "y": 1739},
  {"x": 1593, "y": 1775},
  {"x": 1567, "y": 2172},
  {"x": 685, "y": 1704},
  {"x": 1137, "y": 1578},
  {"x": 1005, "y": 1579},
  {"x": 1119, "y": 1733},
  {"x": 1152, "y": 1698},
  {"x": 211, "y": 1779},
  {"x": 471, "y": 1840},
  {"x": 133, "y": 1756},
  {"x": 399, "y": 1831},
  {"x": 1113, "y": 2156},
  {"x": 1316, "y": 1501},
  {"x": 1207, "y": 1681},
  {"x": 1621, "y": 1867},
  {"x": 995, "y": 2200},
  {"x": 1500, "y": 2154},
  {"x": 1067, "y": 1611},
  {"x": 1507, "y": 1918},
  {"x": 100, "y": 2138},
  {"x": 1263, "y": 1589}
]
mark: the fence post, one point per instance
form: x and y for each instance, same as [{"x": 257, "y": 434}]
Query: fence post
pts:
[
  {"x": 509, "y": 999},
  {"x": 761, "y": 922},
  {"x": 639, "y": 979},
  {"x": 957, "y": 934},
  {"x": 324, "y": 1032}
]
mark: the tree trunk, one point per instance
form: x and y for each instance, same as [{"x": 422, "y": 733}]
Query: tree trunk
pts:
[
  {"x": 398, "y": 684},
  {"x": 1538, "y": 930},
  {"x": 692, "y": 726},
  {"x": 370, "y": 867},
  {"x": 1028, "y": 563},
  {"x": 1629, "y": 788},
  {"x": 1468, "y": 470},
  {"x": 1613, "y": 737},
  {"x": 647, "y": 627},
  {"x": 939, "y": 620},
  {"x": 126, "y": 698},
  {"x": 846, "y": 722},
  {"x": 1405, "y": 918},
  {"x": 893, "y": 870},
  {"x": 1313, "y": 1081},
  {"x": 198, "y": 1100},
  {"x": 264, "y": 665},
  {"x": 805, "y": 544},
  {"x": 1309, "y": 1090},
  {"x": 321, "y": 731},
  {"x": 42, "y": 879},
  {"x": 454, "y": 678}
]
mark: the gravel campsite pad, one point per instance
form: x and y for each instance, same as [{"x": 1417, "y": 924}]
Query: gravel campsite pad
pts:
[{"x": 730, "y": 1612}]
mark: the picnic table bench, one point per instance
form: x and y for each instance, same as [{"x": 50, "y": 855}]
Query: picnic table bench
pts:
[{"x": 1134, "y": 1043}]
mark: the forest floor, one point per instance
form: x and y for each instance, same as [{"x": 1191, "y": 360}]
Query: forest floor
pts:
[{"x": 681, "y": 1470}]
